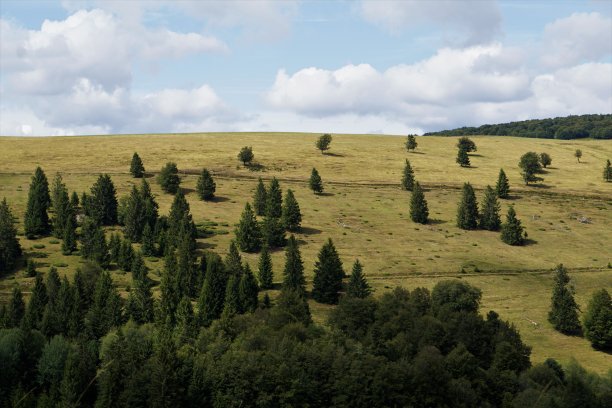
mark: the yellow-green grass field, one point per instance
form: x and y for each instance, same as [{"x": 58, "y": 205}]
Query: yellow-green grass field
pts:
[{"x": 366, "y": 214}]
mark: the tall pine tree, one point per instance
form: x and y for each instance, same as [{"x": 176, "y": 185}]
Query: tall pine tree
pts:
[
  {"x": 291, "y": 215},
  {"x": 467, "y": 212},
  {"x": 408, "y": 177},
  {"x": 10, "y": 249},
  {"x": 69, "y": 243},
  {"x": 315, "y": 183},
  {"x": 36, "y": 220},
  {"x": 293, "y": 274},
  {"x": 563, "y": 314},
  {"x": 512, "y": 231},
  {"x": 93, "y": 243},
  {"x": 136, "y": 167},
  {"x": 169, "y": 179},
  {"x": 260, "y": 198},
  {"x": 502, "y": 188},
  {"x": 248, "y": 234},
  {"x": 489, "y": 214},
  {"x": 273, "y": 233},
  {"x": 328, "y": 275},
  {"x": 598, "y": 320},
  {"x": 264, "y": 268},
  {"x": 212, "y": 296},
  {"x": 274, "y": 199},
  {"x": 418, "y": 205},
  {"x": 358, "y": 286},
  {"x": 206, "y": 186},
  {"x": 103, "y": 201},
  {"x": 36, "y": 305},
  {"x": 248, "y": 290},
  {"x": 462, "y": 158},
  {"x": 133, "y": 219}
]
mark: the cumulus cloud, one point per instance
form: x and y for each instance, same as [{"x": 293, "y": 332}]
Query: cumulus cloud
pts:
[
  {"x": 477, "y": 22},
  {"x": 575, "y": 39}
]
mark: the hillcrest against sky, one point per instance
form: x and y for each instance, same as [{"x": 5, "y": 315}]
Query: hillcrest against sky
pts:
[{"x": 395, "y": 67}]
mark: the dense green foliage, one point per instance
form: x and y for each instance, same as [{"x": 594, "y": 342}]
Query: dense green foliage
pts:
[
  {"x": 502, "y": 187},
  {"x": 260, "y": 198},
  {"x": 563, "y": 314},
  {"x": 328, "y": 275},
  {"x": 315, "y": 183},
  {"x": 489, "y": 211},
  {"x": 462, "y": 157},
  {"x": 248, "y": 234},
  {"x": 323, "y": 142},
  {"x": 358, "y": 286},
  {"x": 246, "y": 155},
  {"x": 512, "y": 231},
  {"x": 530, "y": 166},
  {"x": 36, "y": 219},
  {"x": 264, "y": 269},
  {"x": 467, "y": 211},
  {"x": 10, "y": 249},
  {"x": 578, "y": 154},
  {"x": 408, "y": 177},
  {"x": 206, "y": 186},
  {"x": 418, "y": 205},
  {"x": 607, "y": 173},
  {"x": 293, "y": 274},
  {"x": 569, "y": 127},
  {"x": 467, "y": 144},
  {"x": 102, "y": 203},
  {"x": 545, "y": 159},
  {"x": 598, "y": 320},
  {"x": 411, "y": 143},
  {"x": 136, "y": 167},
  {"x": 169, "y": 179},
  {"x": 291, "y": 216}
]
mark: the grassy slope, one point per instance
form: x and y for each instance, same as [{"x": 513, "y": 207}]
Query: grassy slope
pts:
[{"x": 366, "y": 214}]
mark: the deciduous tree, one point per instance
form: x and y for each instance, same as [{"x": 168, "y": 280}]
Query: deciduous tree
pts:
[
  {"x": 607, "y": 173},
  {"x": 578, "y": 154},
  {"x": 466, "y": 144},
  {"x": 545, "y": 159},
  {"x": 323, "y": 142},
  {"x": 530, "y": 166}
]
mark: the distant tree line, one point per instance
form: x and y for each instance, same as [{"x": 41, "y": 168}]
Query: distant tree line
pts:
[{"x": 569, "y": 127}]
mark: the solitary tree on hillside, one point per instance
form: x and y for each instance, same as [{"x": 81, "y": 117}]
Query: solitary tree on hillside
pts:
[
  {"x": 563, "y": 314},
  {"x": 293, "y": 274},
  {"x": 291, "y": 215},
  {"x": 136, "y": 167},
  {"x": 206, "y": 185},
  {"x": 246, "y": 155},
  {"x": 578, "y": 154},
  {"x": 408, "y": 177},
  {"x": 260, "y": 198},
  {"x": 489, "y": 215},
  {"x": 607, "y": 173},
  {"x": 530, "y": 166},
  {"x": 36, "y": 220},
  {"x": 545, "y": 159},
  {"x": 411, "y": 143},
  {"x": 467, "y": 212},
  {"x": 169, "y": 179},
  {"x": 512, "y": 230},
  {"x": 418, "y": 205},
  {"x": 328, "y": 274},
  {"x": 264, "y": 268},
  {"x": 248, "y": 234},
  {"x": 598, "y": 320},
  {"x": 10, "y": 250},
  {"x": 502, "y": 188},
  {"x": 466, "y": 144},
  {"x": 358, "y": 286},
  {"x": 462, "y": 157},
  {"x": 323, "y": 142},
  {"x": 315, "y": 182}
]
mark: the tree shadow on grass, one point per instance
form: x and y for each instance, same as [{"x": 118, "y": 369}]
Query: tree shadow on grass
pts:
[
  {"x": 326, "y": 194},
  {"x": 512, "y": 197},
  {"x": 529, "y": 242},
  {"x": 475, "y": 154},
  {"x": 218, "y": 199},
  {"x": 540, "y": 185},
  {"x": 435, "y": 221},
  {"x": 186, "y": 190},
  {"x": 415, "y": 152},
  {"x": 333, "y": 154},
  {"x": 205, "y": 245},
  {"x": 256, "y": 167},
  {"x": 309, "y": 231}
]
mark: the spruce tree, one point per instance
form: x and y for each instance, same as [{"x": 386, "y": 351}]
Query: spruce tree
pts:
[
  {"x": 274, "y": 199},
  {"x": 248, "y": 234},
  {"x": 114, "y": 247},
  {"x": 74, "y": 201},
  {"x": 63, "y": 213},
  {"x": 232, "y": 305},
  {"x": 133, "y": 219},
  {"x": 103, "y": 201},
  {"x": 16, "y": 308},
  {"x": 212, "y": 296},
  {"x": 206, "y": 186},
  {"x": 265, "y": 269},
  {"x": 598, "y": 320},
  {"x": 489, "y": 215},
  {"x": 150, "y": 207},
  {"x": 512, "y": 230},
  {"x": 36, "y": 305},
  {"x": 69, "y": 243},
  {"x": 418, "y": 205},
  {"x": 169, "y": 179},
  {"x": 57, "y": 189},
  {"x": 185, "y": 281},
  {"x": 185, "y": 321},
  {"x": 293, "y": 274},
  {"x": 31, "y": 268},
  {"x": 136, "y": 167},
  {"x": 10, "y": 249},
  {"x": 411, "y": 143},
  {"x": 467, "y": 212},
  {"x": 462, "y": 158},
  {"x": 563, "y": 314},
  {"x": 36, "y": 219},
  {"x": 126, "y": 255},
  {"x": 178, "y": 211},
  {"x": 148, "y": 241},
  {"x": 358, "y": 286},
  {"x": 170, "y": 298},
  {"x": 140, "y": 303},
  {"x": 291, "y": 215},
  {"x": 408, "y": 177},
  {"x": 502, "y": 188},
  {"x": 248, "y": 290},
  {"x": 93, "y": 243},
  {"x": 273, "y": 232},
  {"x": 607, "y": 173},
  {"x": 260, "y": 198},
  {"x": 315, "y": 183},
  {"x": 328, "y": 274},
  {"x": 106, "y": 309}
]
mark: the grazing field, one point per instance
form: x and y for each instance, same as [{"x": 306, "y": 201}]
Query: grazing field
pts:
[{"x": 366, "y": 214}]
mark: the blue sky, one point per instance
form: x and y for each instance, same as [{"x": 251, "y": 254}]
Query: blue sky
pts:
[{"x": 96, "y": 67}]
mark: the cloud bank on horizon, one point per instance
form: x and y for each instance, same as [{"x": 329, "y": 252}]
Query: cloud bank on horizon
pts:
[{"x": 395, "y": 67}]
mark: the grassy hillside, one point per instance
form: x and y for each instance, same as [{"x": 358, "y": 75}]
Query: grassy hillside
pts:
[{"x": 365, "y": 212}]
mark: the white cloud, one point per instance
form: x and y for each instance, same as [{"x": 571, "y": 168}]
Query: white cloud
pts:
[
  {"x": 477, "y": 22},
  {"x": 578, "y": 38}
]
